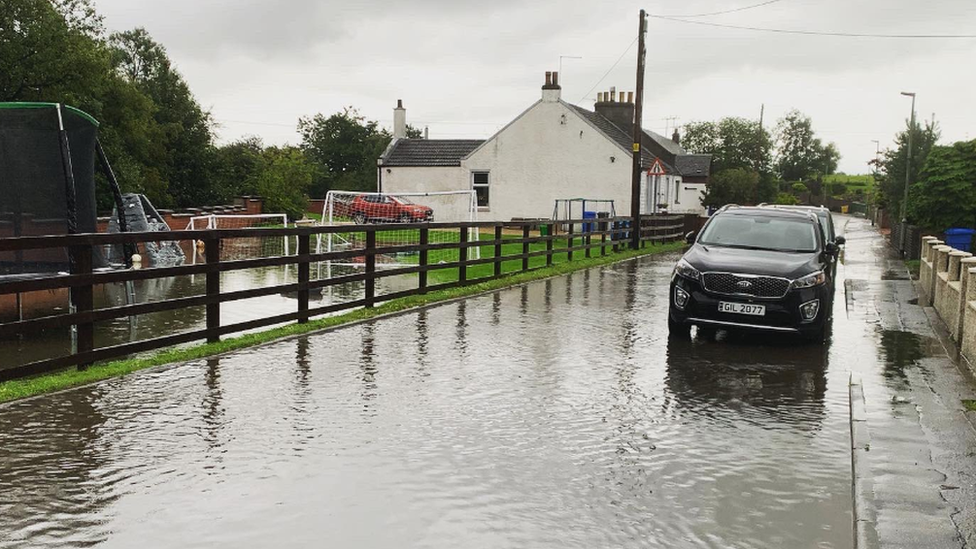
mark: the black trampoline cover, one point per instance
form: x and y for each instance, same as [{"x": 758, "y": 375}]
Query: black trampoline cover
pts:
[{"x": 35, "y": 196}]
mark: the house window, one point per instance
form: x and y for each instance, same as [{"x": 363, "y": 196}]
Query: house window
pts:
[{"x": 479, "y": 182}]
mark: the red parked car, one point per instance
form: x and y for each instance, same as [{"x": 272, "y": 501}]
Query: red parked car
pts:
[{"x": 370, "y": 208}]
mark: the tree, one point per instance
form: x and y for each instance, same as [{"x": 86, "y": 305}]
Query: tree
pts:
[
  {"x": 186, "y": 127},
  {"x": 345, "y": 147},
  {"x": 945, "y": 194},
  {"x": 734, "y": 186},
  {"x": 891, "y": 173},
  {"x": 801, "y": 154},
  {"x": 283, "y": 179},
  {"x": 732, "y": 142},
  {"x": 234, "y": 164},
  {"x": 45, "y": 55}
]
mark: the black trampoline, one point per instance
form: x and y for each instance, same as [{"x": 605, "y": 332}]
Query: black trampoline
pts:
[{"x": 48, "y": 156}]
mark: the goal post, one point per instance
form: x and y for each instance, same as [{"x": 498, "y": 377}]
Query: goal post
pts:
[
  {"x": 243, "y": 247},
  {"x": 363, "y": 208}
]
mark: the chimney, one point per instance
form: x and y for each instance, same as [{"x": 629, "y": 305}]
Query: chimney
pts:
[
  {"x": 551, "y": 90},
  {"x": 620, "y": 113},
  {"x": 426, "y": 132},
  {"x": 676, "y": 137},
  {"x": 399, "y": 121}
]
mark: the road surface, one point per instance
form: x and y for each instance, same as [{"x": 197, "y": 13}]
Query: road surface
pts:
[{"x": 557, "y": 414}]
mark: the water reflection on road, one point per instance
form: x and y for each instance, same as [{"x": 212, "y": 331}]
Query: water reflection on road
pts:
[{"x": 555, "y": 414}]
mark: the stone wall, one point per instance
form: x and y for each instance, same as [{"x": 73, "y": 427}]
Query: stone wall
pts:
[{"x": 947, "y": 282}]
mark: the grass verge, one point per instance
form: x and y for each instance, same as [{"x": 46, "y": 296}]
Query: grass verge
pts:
[
  {"x": 48, "y": 383},
  {"x": 914, "y": 265}
]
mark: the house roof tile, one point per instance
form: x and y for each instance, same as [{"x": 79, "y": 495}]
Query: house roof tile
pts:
[{"x": 429, "y": 152}]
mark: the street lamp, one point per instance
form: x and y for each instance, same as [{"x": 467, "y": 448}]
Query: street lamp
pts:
[{"x": 908, "y": 159}]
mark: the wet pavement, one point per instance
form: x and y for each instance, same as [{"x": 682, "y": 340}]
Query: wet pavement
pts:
[{"x": 557, "y": 414}]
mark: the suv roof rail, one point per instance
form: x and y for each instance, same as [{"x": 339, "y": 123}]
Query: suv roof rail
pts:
[{"x": 726, "y": 207}]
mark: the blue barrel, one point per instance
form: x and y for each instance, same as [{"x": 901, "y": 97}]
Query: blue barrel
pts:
[
  {"x": 588, "y": 227},
  {"x": 959, "y": 238}
]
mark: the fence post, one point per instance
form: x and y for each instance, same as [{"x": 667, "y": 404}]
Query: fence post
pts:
[
  {"x": 212, "y": 252},
  {"x": 422, "y": 276},
  {"x": 525, "y": 248},
  {"x": 587, "y": 240},
  {"x": 603, "y": 240},
  {"x": 82, "y": 298},
  {"x": 569, "y": 243},
  {"x": 463, "y": 255},
  {"x": 370, "y": 267},
  {"x": 615, "y": 235},
  {"x": 304, "y": 249},
  {"x": 498, "y": 250},
  {"x": 550, "y": 235}
]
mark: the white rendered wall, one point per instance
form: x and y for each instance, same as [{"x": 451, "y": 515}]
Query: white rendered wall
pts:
[
  {"x": 550, "y": 152},
  {"x": 424, "y": 179}
]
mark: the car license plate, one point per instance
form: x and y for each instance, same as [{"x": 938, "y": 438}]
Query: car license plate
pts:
[{"x": 741, "y": 308}]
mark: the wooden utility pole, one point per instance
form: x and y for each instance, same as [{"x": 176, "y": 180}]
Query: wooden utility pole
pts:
[{"x": 635, "y": 229}]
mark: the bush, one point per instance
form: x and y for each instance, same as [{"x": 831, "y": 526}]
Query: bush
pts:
[
  {"x": 734, "y": 186},
  {"x": 799, "y": 187},
  {"x": 945, "y": 194},
  {"x": 787, "y": 199},
  {"x": 283, "y": 179},
  {"x": 838, "y": 189}
]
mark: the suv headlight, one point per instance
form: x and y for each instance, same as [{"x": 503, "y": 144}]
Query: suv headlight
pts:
[
  {"x": 684, "y": 269},
  {"x": 811, "y": 280}
]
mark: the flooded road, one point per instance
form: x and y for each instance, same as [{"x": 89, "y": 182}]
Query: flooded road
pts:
[{"x": 557, "y": 414}]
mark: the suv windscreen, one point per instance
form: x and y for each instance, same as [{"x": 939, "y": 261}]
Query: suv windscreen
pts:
[{"x": 782, "y": 234}]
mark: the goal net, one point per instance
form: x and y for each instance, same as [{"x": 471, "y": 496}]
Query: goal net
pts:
[
  {"x": 243, "y": 247},
  {"x": 356, "y": 208}
]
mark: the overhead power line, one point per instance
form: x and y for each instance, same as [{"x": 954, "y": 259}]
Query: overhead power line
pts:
[
  {"x": 817, "y": 33},
  {"x": 723, "y": 12},
  {"x": 617, "y": 62}
]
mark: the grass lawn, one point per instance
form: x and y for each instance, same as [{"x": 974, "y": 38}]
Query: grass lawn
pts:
[
  {"x": 864, "y": 183},
  {"x": 47, "y": 383}
]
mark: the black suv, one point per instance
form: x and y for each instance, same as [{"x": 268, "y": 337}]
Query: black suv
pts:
[{"x": 755, "y": 268}]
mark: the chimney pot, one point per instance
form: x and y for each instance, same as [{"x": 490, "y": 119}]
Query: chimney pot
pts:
[
  {"x": 630, "y": 97},
  {"x": 599, "y": 97},
  {"x": 399, "y": 103},
  {"x": 548, "y": 78},
  {"x": 555, "y": 78}
]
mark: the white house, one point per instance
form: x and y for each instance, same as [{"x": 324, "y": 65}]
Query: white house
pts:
[{"x": 553, "y": 150}]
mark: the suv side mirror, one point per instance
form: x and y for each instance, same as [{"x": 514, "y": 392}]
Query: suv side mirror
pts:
[
  {"x": 690, "y": 237},
  {"x": 832, "y": 248},
  {"x": 840, "y": 241}
]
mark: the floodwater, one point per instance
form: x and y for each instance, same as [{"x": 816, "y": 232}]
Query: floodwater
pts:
[
  {"x": 557, "y": 414},
  {"x": 54, "y": 343}
]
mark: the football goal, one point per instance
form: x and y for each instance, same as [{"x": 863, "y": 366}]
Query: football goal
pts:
[
  {"x": 356, "y": 208},
  {"x": 243, "y": 247}
]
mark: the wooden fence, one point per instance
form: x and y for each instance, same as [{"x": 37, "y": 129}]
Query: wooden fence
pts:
[{"x": 602, "y": 237}]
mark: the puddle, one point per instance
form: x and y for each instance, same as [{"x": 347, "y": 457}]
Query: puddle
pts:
[
  {"x": 903, "y": 350},
  {"x": 895, "y": 275}
]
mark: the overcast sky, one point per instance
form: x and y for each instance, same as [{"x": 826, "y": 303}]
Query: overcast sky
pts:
[{"x": 467, "y": 68}]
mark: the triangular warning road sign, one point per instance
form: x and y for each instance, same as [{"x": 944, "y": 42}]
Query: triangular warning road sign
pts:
[{"x": 657, "y": 168}]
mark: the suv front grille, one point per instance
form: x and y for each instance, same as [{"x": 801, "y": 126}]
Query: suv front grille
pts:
[{"x": 757, "y": 286}]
